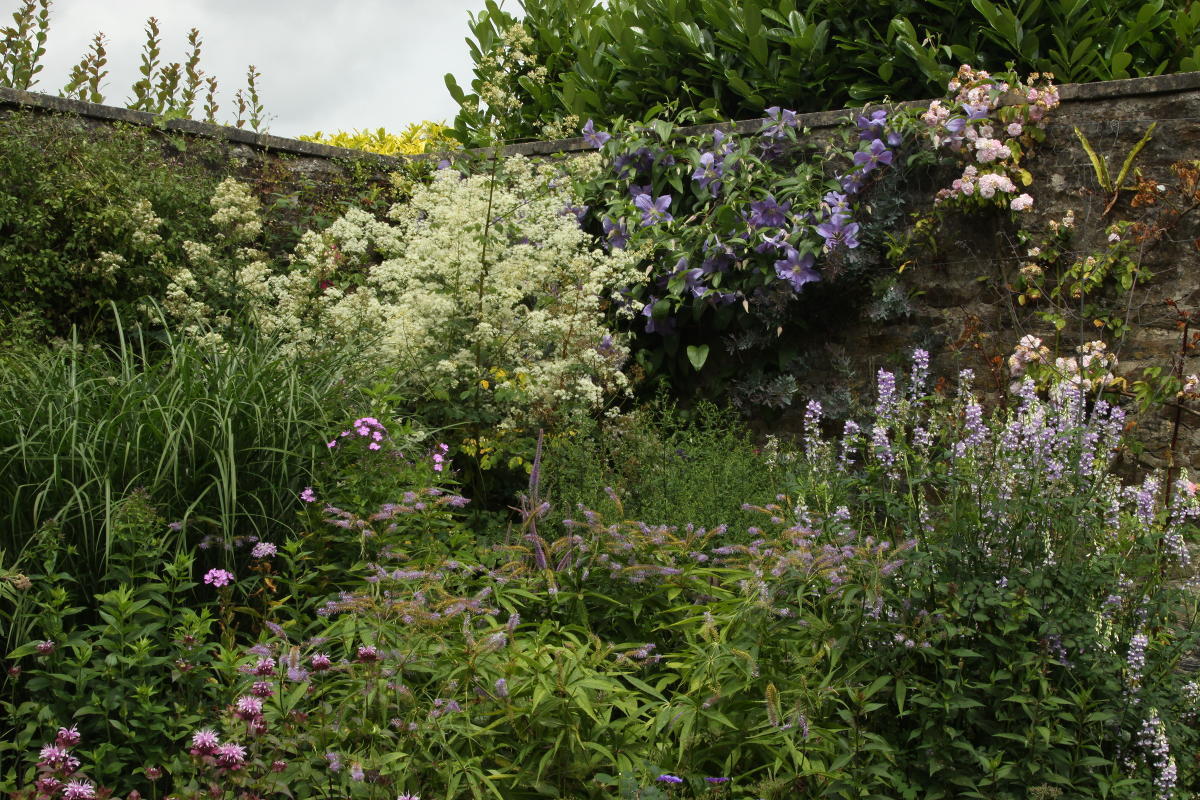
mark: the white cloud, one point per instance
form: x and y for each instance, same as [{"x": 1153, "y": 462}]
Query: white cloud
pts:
[{"x": 326, "y": 65}]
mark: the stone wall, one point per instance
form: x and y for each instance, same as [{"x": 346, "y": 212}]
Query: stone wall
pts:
[{"x": 960, "y": 306}]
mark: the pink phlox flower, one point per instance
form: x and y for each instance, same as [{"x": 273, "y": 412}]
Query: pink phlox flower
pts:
[{"x": 218, "y": 577}]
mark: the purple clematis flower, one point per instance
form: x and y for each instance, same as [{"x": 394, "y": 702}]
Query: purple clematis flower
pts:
[
  {"x": 653, "y": 210},
  {"x": 718, "y": 256},
  {"x": 709, "y": 173},
  {"x": 768, "y": 213},
  {"x": 871, "y": 127},
  {"x": 778, "y": 241},
  {"x": 580, "y": 212},
  {"x": 976, "y": 110},
  {"x": 838, "y": 233},
  {"x": 616, "y": 233},
  {"x": 663, "y": 326},
  {"x": 797, "y": 269},
  {"x": 875, "y": 155},
  {"x": 593, "y": 137},
  {"x": 778, "y": 121}
]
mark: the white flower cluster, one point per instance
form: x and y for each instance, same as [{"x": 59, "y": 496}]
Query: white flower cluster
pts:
[
  {"x": 471, "y": 288},
  {"x": 225, "y": 277}
]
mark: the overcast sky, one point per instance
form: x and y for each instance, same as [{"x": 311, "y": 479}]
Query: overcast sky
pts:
[{"x": 326, "y": 64}]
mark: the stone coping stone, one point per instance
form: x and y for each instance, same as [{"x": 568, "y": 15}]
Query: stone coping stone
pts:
[{"x": 1069, "y": 93}]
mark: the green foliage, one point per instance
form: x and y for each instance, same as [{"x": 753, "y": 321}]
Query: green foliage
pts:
[
  {"x": 22, "y": 44},
  {"x": 728, "y": 60},
  {"x": 668, "y": 466},
  {"x": 81, "y": 212},
  {"x": 221, "y": 440},
  {"x": 129, "y": 666},
  {"x": 170, "y": 90}
]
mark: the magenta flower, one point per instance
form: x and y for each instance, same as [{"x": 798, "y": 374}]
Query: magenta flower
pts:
[
  {"x": 53, "y": 756},
  {"x": 47, "y": 786},
  {"x": 218, "y": 577},
  {"x": 45, "y": 648},
  {"x": 263, "y": 667},
  {"x": 321, "y": 662},
  {"x": 367, "y": 654},
  {"x": 308, "y": 495}
]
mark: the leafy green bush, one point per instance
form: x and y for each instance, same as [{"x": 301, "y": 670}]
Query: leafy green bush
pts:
[
  {"x": 81, "y": 216},
  {"x": 632, "y": 58}
]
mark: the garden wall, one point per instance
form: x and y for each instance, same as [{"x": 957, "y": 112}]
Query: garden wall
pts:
[{"x": 957, "y": 303}]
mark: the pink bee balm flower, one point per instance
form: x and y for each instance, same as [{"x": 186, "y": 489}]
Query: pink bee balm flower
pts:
[
  {"x": 248, "y": 707},
  {"x": 264, "y": 666},
  {"x": 230, "y": 756},
  {"x": 79, "y": 790},
  {"x": 53, "y": 756},
  {"x": 204, "y": 742},
  {"x": 68, "y": 737},
  {"x": 218, "y": 577},
  {"x": 45, "y": 648},
  {"x": 321, "y": 662}
]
